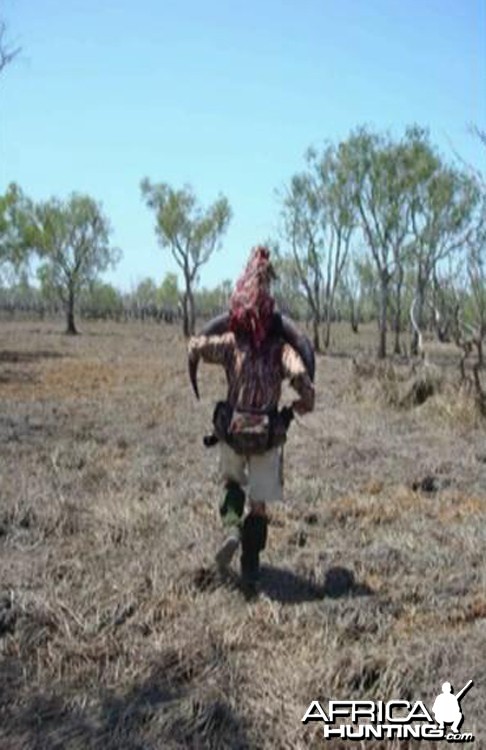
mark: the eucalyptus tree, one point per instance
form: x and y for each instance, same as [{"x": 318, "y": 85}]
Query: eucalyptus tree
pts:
[
  {"x": 168, "y": 291},
  {"x": 189, "y": 232},
  {"x": 301, "y": 224},
  {"x": 378, "y": 170},
  {"x": 287, "y": 286},
  {"x": 13, "y": 220},
  {"x": 444, "y": 203},
  {"x": 476, "y": 274},
  {"x": 354, "y": 290},
  {"x": 212, "y": 302},
  {"x": 100, "y": 300},
  {"x": 145, "y": 293},
  {"x": 71, "y": 238},
  {"x": 318, "y": 220},
  {"x": 338, "y": 222}
]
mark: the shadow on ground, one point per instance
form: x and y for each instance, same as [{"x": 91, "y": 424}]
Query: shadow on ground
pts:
[
  {"x": 9, "y": 374},
  {"x": 286, "y": 587},
  {"x": 290, "y": 588},
  {"x": 166, "y": 710},
  {"x": 11, "y": 356}
]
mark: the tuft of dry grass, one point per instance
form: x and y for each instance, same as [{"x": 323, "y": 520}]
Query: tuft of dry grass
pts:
[{"x": 114, "y": 630}]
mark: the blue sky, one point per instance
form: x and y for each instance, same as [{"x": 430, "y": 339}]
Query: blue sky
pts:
[{"x": 226, "y": 96}]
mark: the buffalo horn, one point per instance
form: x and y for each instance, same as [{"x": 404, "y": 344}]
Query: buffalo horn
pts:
[
  {"x": 298, "y": 341},
  {"x": 214, "y": 327}
]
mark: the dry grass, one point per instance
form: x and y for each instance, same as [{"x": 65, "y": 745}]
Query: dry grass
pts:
[{"x": 113, "y": 631}]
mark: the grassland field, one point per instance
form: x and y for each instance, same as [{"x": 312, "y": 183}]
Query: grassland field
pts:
[{"x": 115, "y": 633}]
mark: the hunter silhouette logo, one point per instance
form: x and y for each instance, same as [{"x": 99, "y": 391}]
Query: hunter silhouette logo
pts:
[
  {"x": 446, "y": 707},
  {"x": 394, "y": 719}
]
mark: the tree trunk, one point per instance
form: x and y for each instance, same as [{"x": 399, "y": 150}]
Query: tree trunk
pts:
[
  {"x": 188, "y": 310},
  {"x": 71, "y": 326},
  {"x": 191, "y": 312},
  {"x": 327, "y": 333},
  {"x": 185, "y": 316},
  {"x": 315, "y": 326},
  {"x": 397, "y": 348},
  {"x": 384, "y": 281},
  {"x": 397, "y": 322},
  {"x": 353, "y": 314},
  {"x": 419, "y": 320}
]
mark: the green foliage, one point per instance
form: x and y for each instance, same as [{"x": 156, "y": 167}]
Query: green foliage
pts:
[
  {"x": 212, "y": 301},
  {"x": 358, "y": 290},
  {"x": 442, "y": 201},
  {"x": 189, "y": 232},
  {"x": 379, "y": 179},
  {"x": 146, "y": 292},
  {"x": 287, "y": 287},
  {"x": 13, "y": 222},
  {"x": 20, "y": 294},
  {"x": 476, "y": 273},
  {"x": 181, "y": 225},
  {"x": 319, "y": 219},
  {"x": 45, "y": 276},
  {"x": 101, "y": 300},
  {"x": 72, "y": 240},
  {"x": 168, "y": 292},
  {"x": 414, "y": 211}
]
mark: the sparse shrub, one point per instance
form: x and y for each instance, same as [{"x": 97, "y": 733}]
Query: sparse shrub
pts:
[
  {"x": 425, "y": 381},
  {"x": 457, "y": 406},
  {"x": 394, "y": 384}
]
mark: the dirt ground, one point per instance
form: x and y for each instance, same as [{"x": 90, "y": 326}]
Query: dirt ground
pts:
[{"x": 114, "y": 631}]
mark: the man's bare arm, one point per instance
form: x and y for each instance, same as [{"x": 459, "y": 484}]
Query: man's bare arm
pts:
[
  {"x": 211, "y": 349},
  {"x": 294, "y": 370}
]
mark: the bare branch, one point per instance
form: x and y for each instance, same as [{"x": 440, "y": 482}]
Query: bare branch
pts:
[{"x": 7, "y": 53}]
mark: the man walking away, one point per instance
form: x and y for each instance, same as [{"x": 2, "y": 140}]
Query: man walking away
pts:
[{"x": 252, "y": 346}]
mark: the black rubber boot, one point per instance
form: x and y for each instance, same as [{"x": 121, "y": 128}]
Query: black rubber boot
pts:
[{"x": 253, "y": 541}]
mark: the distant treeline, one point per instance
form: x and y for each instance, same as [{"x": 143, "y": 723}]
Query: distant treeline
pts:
[{"x": 373, "y": 228}]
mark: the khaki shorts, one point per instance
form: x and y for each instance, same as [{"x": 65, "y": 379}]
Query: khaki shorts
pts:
[{"x": 262, "y": 476}]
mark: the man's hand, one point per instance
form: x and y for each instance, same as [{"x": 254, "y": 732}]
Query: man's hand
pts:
[{"x": 300, "y": 407}]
